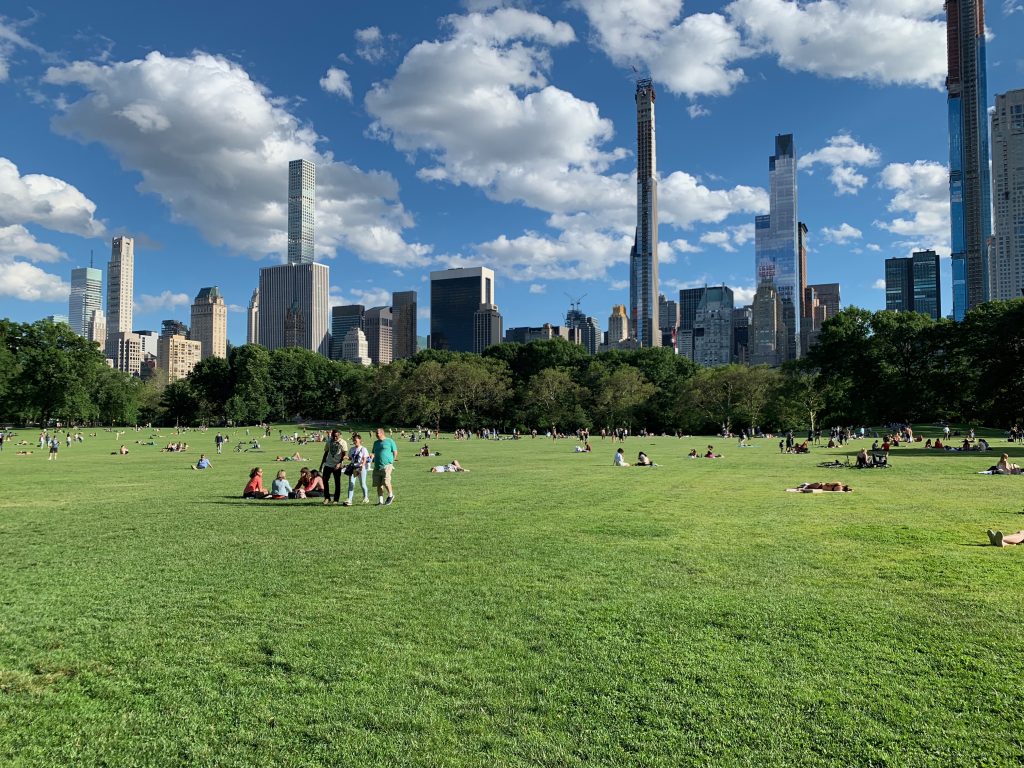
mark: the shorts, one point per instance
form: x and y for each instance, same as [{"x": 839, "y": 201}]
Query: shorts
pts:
[{"x": 382, "y": 474}]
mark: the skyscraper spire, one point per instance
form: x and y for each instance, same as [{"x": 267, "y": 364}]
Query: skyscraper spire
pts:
[{"x": 643, "y": 257}]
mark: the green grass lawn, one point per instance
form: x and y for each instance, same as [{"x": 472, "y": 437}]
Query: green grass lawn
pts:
[{"x": 543, "y": 609}]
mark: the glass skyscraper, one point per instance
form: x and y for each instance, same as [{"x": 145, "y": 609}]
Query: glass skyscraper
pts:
[
  {"x": 643, "y": 257},
  {"x": 455, "y": 297},
  {"x": 301, "y": 205},
  {"x": 776, "y": 242},
  {"x": 86, "y": 297},
  {"x": 970, "y": 188}
]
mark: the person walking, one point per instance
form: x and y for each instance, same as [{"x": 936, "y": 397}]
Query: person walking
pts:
[
  {"x": 220, "y": 442},
  {"x": 331, "y": 465},
  {"x": 359, "y": 460},
  {"x": 384, "y": 454},
  {"x": 54, "y": 447}
]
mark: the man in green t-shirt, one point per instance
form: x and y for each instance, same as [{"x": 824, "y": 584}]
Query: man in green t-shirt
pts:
[{"x": 384, "y": 454}]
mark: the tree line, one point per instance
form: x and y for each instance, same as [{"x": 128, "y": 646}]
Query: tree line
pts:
[{"x": 867, "y": 368}]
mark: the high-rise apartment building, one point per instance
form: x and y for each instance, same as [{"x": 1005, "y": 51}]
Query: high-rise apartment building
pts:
[
  {"x": 86, "y": 297},
  {"x": 403, "y": 329},
  {"x": 912, "y": 284},
  {"x": 590, "y": 335},
  {"x": 344, "y": 318},
  {"x": 712, "y": 332},
  {"x": 455, "y": 297},
  {"x": 294, "y": 307},
  {"x": 768, "y": 336},
  {"x": 125, "y": 352},
  {"x": 377, "y": 325},
  {"x": 969, "y": 186},
  {"x": 486, "y": 327},
  {"x": 210, "y": 323},
  {"x": 1006, "y": 268},
  {"x": 252, "y": 329},
  {"x": 172, "y": 327},
  {"x": 301, "y": 211},
  {"x": 618, "y": 325},
  {"x": 643, "y": 257},
  {"x": 120, "y": 291},
  {"x": 828, "y": 296},
  {"x": 149, "y": 341},
  {"x": 178, "y": 355},
  {"x": 689, "y": 300},
  {"x": 776, "y": 242},
  {"x": 96, "y": 331}
]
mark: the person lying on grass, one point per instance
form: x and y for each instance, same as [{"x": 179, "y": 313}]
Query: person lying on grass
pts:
[
  {"x": 294, "y": 457},
  {"x": 834, "y": 487},
  {"x": 203, "y": 463},
  {"x": 254, "y": 488},
  {"x": 454, "y": 466},
  {"x": 999, "y": 539}
]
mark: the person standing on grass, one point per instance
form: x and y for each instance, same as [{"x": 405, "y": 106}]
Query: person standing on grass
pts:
[
  {"x": 331, "y": 465},
  {"x": 384, "y": 454},
  {"x": 54, "y": 447},
  {"x": 220, "y": 442},
  {"x": 359, "y": 460}
]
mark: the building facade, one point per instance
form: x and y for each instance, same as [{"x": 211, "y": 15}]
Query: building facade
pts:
[
  {"x": 486, "y": 327},
  {"x": 252, "y": 327},
  {"x": 378, "y": 327},
  {"x": 210, "y": 322},
  {"x": 301, "y": 211},
  {"x": 618, "y": 325},
  {"x": 404, "y": 323},
  {"x": 120, "y": 291},
  {"x": 97, "y": 328},
  {"x": 178, "y": 355},
  {"x": 643, "y": 258},
  {"x": 913, "y": 284},
  {"x": 899, "y": 285},
  {"x": 1006, "y": 267},
  {"x": 828, "y": 296},
  {"x": 294, "y": 307},
  {"x": 354, "y": 348},
  {"x": 712, "y": 334},
  {"x": 970, "y": 188},
  {"x": 344, "y": 318},
  {"x": 768, "y": 335},
  {"x": 455, "y": 297},
  {"x": 126, "y": 352},
  {"x": 776, "y": 241},
  {"x": 741, "y": 334},
  {"x": 86, "y": 297}
]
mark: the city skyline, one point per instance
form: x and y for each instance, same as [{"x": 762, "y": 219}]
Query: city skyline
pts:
[{"x": 535, "y": 179}]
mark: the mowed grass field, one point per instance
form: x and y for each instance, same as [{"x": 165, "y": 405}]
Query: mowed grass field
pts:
[{"x": 543, "y": 609}]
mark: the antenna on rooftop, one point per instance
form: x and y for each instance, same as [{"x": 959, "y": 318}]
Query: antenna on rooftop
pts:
[{"x": 90, "y": 258}]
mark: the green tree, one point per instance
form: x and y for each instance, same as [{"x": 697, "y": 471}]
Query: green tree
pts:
[
  {"x": 555, "y": 400},
  {"x": 618, "y": 393},
  {"x": 250, "y": 368}
]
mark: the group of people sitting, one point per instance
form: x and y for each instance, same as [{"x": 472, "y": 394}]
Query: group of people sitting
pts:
[
  {"x": 642, "y": 459},
  {"x": 176, "y": 447},
  {"x": 708, "y": 454},
  {"x": 1003, "y": 467},
  {"x": 585, "y": 448},
  {"x": 310, "y": 485},
  {"x": 980, "y": 445}
]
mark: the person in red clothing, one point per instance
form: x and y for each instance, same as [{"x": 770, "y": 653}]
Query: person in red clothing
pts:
[{"x": 254, "y": 488}]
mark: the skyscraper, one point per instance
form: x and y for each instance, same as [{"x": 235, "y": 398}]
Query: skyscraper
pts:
[
  {"x": 301, "y": 205},
  {"x": 344, "y": 318},
  {"x": 668, "y": 320},
  {"x": 1007, "y": 266},
  {"x": 912, "y": 285},
  {"x": 354, "y": 348},
  {"x": 120, "y": 292},
  {"x": 252, "y": 331},
  {"x": 643, "y": 257},
  {"x": 618, "y": 325},
  {"x": 776, "y": 243},
  {"x": 712, "y": 334},
  {"x": 486, "y": 327},
  {"x": 828, "y": 296},
  {"x": 293, "y": 297},
  {"x": 378, "y": 325},
  {"x": 125, "y": 350},
  {"x": 210, "y": 323},
  {"x": 97, "y": 328},
  {"x": 899, "y": 285},
  {"x": 969, "y": 186},
  {"x": 177, "y": 355},
  {"x": 86, "y": 297},
  {"x": 767, "y": 335},
  {"x": 455, "y": 297},
  {"x": 403, "y": 324}
]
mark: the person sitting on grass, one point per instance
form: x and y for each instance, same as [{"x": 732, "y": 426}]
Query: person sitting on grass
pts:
[
  {"x": 203, "y": 463},
  {"x": 454, "y": 466},
  {"x": 620, "y": 459},
  {"x": 999, "y": 539},
  {"x": 424, "y": 451},
  {"x": 928, "y": 443},
  {"x": 693, "y": 454},
  {"x": 315, "y": 485},
  {"x": 123, "y": 451},
  {"x": 710, "y": 454},
  {"x": 254, "y": 488},
  {"x": 281, "y": 488},
  {"x": 863, "y": 460},
  {"x": 643, "y": 460}
]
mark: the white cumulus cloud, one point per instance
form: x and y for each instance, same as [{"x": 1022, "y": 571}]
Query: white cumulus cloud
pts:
[
  {"x": 45, "y": 200},
  {"x": 21, "y": 280},
  {"x": 879, "y": 284},
  {"x": 537, "y": 288},
  {"x": 164, "y": 301},
  {"x": 221, "y": 165},
  {"x": 844, "y": 154},
  {"x": 842, "y": 234},
  {"x": 336, "y": 81},
  {"x": 921, "y": 194}
]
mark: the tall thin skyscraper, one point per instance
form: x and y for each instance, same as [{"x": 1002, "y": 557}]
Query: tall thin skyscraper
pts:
[
  {"x": 293, "y": 297},
  {"x": 252, "y": 334},
  {"x": 1007, "y": 266},
  {"x": 120, "y": 292},
  {"x": 86, "y": 297},
  {"x": 403, "y": 310},
  {"x": 970, "y": 188},
  {"x": 301, "y": 216},
  {"x": 210, "y": 323},
  {"x": 776, "y": 245},
  {"x": 643, "y": 257},
  {"x": 455, "y": 297}
]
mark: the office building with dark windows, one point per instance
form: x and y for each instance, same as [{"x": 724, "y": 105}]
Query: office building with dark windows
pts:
[{"x": 455, "y": 297}]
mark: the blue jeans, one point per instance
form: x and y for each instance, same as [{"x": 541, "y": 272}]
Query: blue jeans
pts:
[{"x": 352, "y": 484}]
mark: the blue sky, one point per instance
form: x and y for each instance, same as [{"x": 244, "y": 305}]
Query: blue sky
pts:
[{"x": 468, "y": 133}]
